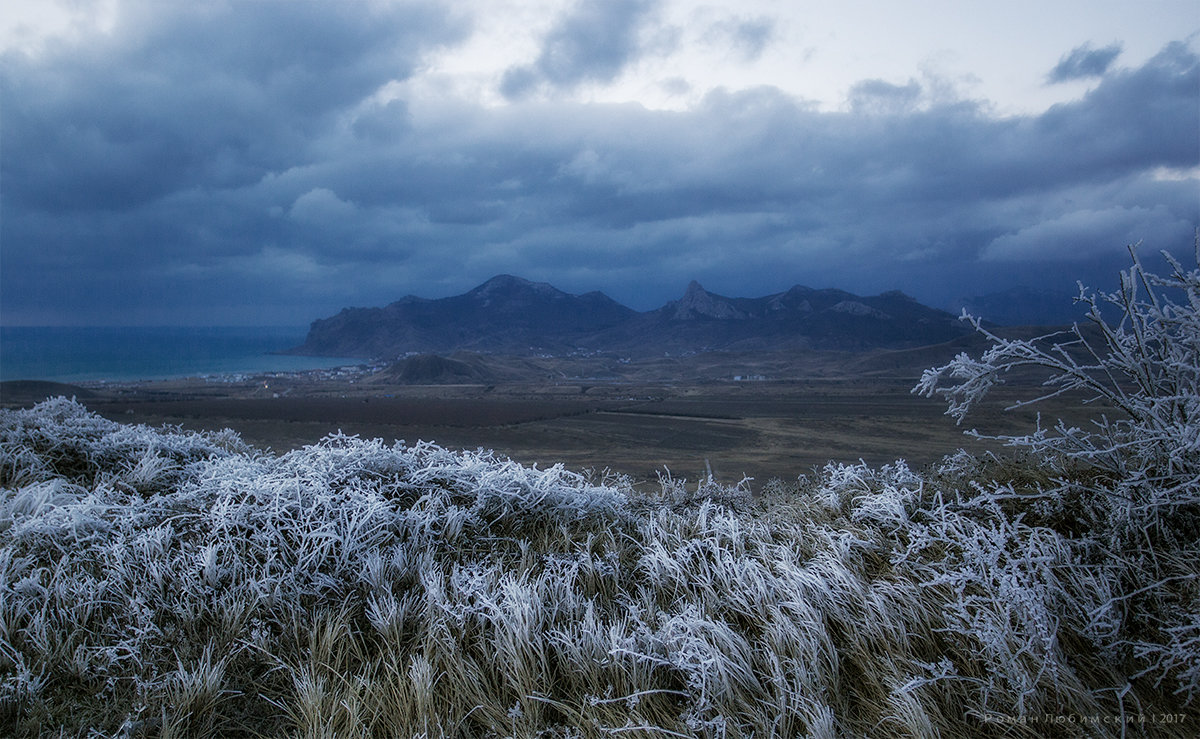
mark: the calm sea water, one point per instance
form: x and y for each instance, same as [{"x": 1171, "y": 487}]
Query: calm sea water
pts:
[{"x": 77, "y": 354}]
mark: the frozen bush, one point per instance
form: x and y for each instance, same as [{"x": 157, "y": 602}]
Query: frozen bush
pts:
[
  {"x": 1126, "y": 490},
  {"x": 1146, "y": 366}
]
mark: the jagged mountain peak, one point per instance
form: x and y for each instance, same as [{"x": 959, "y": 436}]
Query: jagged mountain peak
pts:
[
  {"x": 510, "y": 284},
  {"x": 698, "y": 302}
]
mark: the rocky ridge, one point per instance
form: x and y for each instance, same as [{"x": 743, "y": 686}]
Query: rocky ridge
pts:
[{"x": 510, "y": 315}]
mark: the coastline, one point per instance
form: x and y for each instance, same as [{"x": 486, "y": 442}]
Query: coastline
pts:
[{"x": 86, "y": 354}]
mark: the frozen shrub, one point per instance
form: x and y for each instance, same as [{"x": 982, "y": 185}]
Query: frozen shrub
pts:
[
  {"x": 1145, "y": 462},
  {"x": 1126, "y": 490}
]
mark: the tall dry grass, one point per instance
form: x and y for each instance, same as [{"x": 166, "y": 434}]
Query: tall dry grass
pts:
[{"x": 162, "y": 583}]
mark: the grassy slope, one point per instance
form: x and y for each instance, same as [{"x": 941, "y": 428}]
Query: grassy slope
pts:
[{"x": 160, "y": 583}]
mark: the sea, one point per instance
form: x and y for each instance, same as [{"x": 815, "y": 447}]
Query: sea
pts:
[{"x": 118, "y": 354}]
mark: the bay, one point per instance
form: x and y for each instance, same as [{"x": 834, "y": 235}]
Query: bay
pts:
[{"x": 80, "y": 354}]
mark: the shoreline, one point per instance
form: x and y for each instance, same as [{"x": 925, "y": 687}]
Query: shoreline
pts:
[{"x": 91, "y": 354}]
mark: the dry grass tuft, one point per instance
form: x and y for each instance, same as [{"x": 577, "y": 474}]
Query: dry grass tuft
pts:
[{"x": 160, "y": 583}]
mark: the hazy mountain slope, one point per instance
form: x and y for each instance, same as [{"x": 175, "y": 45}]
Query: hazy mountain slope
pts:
[
  {"x": 799, "y": 318},
  {"x": 504, "y": 314},
  {"x": 514, "y": 316}
]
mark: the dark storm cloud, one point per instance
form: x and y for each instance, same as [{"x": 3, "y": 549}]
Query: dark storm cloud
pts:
[
  {"x": 593, "y": 42},
  {"x": 130, "y": 159},
  {"x": 754, "y": 185},
  {"x": 197, "y": 95},
  {"x": 1084, "y": 62},
  {"x": 173, "y": 174}
]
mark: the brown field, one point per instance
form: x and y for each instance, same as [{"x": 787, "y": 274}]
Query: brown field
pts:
[{"x": 639, "y": 424}]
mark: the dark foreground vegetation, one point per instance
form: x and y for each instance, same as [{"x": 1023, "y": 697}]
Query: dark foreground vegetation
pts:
[{"x": 155, "y": 582}]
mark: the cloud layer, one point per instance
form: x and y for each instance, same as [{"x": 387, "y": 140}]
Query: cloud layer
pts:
[
  {"x": 593, "y": 42},
  {"x": 1084, "y": 62},
  {"x": 270, "y": 164}
]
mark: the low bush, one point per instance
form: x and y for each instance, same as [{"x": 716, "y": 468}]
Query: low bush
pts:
[{"x": 1125, "y": 492}]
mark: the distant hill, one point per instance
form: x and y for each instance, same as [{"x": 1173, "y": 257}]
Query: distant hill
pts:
[
  {"x": 509, "y": 315},
  {"x": 505, "y": 314},
  {"x": 432, "y": 369}
]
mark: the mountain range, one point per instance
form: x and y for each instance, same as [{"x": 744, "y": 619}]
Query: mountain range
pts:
[{"x": 510, "y": 315}]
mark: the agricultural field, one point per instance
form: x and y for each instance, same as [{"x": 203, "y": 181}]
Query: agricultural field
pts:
[{"x": 641, "y": 425}]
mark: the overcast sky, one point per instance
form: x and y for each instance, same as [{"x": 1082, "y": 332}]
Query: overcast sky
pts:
[{"x": 272, "y": 162}]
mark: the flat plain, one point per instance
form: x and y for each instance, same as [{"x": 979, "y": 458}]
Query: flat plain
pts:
[{"x": 760, "y": 416}]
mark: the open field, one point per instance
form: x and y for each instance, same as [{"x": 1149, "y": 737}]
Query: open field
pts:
[{"x": 829, "y": 408}]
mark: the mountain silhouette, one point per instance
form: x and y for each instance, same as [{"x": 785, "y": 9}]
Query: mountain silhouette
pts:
[{"x": 510, "y": 315}]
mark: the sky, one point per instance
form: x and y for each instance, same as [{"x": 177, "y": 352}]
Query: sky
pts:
[{"x": 269, "y": 162}]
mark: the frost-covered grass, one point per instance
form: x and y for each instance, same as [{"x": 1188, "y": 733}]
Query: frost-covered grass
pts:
[{"x": 161, "y": 583}]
